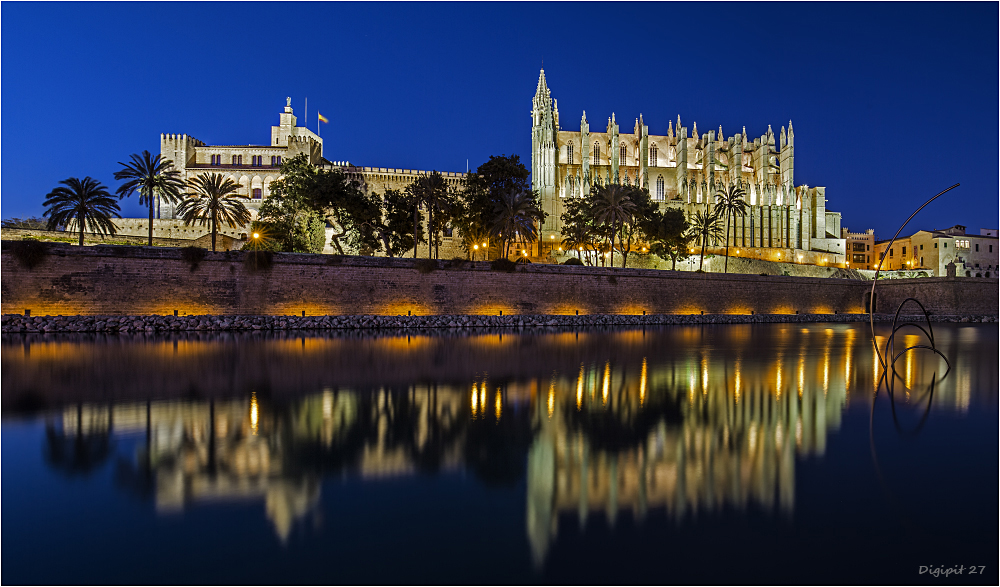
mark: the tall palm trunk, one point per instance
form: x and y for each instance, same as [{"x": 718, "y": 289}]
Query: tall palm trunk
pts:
[
  {"x": 214, "y": 213},
  {"x": 704, "y": 241},
  {"x": 150, "y": 220},
  {"x": 726, "y": 269},
  {"x": 79, "y": 221}
]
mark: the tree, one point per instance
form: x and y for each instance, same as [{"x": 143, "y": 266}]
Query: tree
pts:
[
  {"x": 732, "y": 204},
  {"x": 154, "y": 178},
  {"x": 304, "y": 200},
  {"x": 632, "y": 230},
  {"x": 705, "y": 226},
  {"x": 432, "y": 194},
  {"x": 612, "y": 206},
  {"x": 668, "y": 234},
  {"x": 483, "y": 191},
  {"x": 215, "y": 199},
  {"x": 515, "y": 215},
  {"x": 579, "y": 232},
  {"x": 87, "y": 202},
  {"x": 396, "y": 234}
]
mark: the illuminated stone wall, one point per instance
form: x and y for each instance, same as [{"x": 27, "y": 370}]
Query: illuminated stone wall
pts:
[{"x": 132, "y": 280}]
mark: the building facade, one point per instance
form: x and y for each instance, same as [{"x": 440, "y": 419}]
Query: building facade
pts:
[
  {"x": 931, "y": 251},
  {"x": 685, "y": 170},
  {"x": 860, "y": 248}
]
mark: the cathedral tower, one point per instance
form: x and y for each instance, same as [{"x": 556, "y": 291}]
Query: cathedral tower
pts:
[{"x": 543, "y": 148}]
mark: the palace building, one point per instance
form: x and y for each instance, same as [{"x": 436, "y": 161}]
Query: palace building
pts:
[{"x": 685, "y": 171}]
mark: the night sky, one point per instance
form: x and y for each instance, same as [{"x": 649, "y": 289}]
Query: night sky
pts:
[{"x": 891, "y": 103}]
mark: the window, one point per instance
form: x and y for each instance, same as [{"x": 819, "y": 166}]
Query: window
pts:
[
  {"x": 256, "y": 160},
  {"x": 275, "y": 160},
  {"x": 448, "y": 230},
  {"x": 977, "y": 247},
  {"x": 869, "y": 259},
  {"x": 652, "y": 155},
  {"x": 890, "y": 252},
  {"x": 624, "y": 155},
  {"x": 257, "y": 193},
  {"x": 237, "y": 159},
  {"x": 859, "y": 258},
  {"x": 921, "y": 261},
  {"x": 659, "y": 187},
  {"x": 904, "y": 251},
  {"x": 962, "y": 244},
  {"x": 216, "y": 159},
  {"x": 597, "y": 154},
  {"x": 991, "y": 248},
  {"x": 858, "y": 246},
  {"x": 935, "y": 245},
  {"x": 945, "y": 245},
  {"x": 569, "y": 154}
]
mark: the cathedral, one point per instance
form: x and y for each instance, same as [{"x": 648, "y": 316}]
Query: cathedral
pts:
[{"x": 784, "y": 222}]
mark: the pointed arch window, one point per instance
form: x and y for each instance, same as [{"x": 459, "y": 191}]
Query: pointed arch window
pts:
[
  {"x": 569, "y": 154},
  {"x": 624, "y": 155},
  {"x": 659, "y": 188},
  {"x": 652, "y": 155},
  {"x": 597, "y": 154}
]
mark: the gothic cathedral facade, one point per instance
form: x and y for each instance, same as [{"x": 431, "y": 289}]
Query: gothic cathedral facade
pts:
[{"x": 685, "y": 171}]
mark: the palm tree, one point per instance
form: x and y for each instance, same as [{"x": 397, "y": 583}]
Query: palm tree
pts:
[
  {"x": 612, "y": 207},
  {"x": 154, "y": 178},
  {"x": 87, "y": 202},
  {"x": 515, "y": 213},
  {"x": 731, "y": 203},
  {"x": 705, "y": 225},
  {"x": 214, "y": 200}
]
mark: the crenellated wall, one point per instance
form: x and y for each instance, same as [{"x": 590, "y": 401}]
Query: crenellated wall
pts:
[{"x": 138, "y": 280}]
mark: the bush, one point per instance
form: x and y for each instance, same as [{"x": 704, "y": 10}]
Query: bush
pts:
[
  {"x": 193, "y": 255},
  {"x": 259, "y": 260},
  {"x": 502, "y": 264},
  {"x": 29, "y": 252},
  {"x": 763, "y": 274},
  {"x": 426, "y": 265},
  {"x": 572, "y": 261},
  {"x": 699, "y": 270}
]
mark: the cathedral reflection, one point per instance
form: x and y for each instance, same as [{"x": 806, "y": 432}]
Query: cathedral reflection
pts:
[{"x": 672, "y": 430}]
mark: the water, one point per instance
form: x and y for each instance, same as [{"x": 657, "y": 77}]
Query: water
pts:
[{"x": 717, "y": 454}]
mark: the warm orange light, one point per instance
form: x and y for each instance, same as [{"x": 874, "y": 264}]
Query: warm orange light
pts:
[
  {"x": 475, "y": 247},
  {"x": 256, "y": 235}
]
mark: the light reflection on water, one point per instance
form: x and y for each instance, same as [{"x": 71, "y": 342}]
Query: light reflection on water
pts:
[{"x": 673, "y": 422}]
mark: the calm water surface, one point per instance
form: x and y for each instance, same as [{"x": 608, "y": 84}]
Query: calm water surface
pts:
[{"x": 732, "y": 454}]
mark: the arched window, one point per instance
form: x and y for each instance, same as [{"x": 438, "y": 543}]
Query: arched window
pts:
[
  {"x": 569, "y": 154},
  {"x": 597, "y": 154},
  {"x": 624, "y": 156},
  {"x": 652, "y": 155},
  {"x": 659, "y": 187}
]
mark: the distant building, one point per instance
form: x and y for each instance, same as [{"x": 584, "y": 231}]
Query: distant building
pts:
[
  {"x": 860, "y": 248},
  {"x": 933, "y": 250}
]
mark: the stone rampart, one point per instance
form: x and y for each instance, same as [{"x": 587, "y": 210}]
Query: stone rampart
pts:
[{"x": 111, "y": 280}]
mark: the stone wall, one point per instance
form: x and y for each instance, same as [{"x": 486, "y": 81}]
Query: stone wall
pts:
[{"x": 111, "y": 280}]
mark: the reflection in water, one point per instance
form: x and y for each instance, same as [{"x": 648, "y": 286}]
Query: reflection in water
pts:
[{"x": 675, "y": 421}]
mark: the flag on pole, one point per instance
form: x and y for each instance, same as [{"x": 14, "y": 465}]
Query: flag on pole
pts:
[{"x": 321, "y": 117}]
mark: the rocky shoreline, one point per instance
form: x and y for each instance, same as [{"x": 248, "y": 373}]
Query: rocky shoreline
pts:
[{"x": 16, "y": 323}]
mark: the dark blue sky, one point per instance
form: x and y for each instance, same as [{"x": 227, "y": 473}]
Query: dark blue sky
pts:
[{"x": 890, "y": 102}]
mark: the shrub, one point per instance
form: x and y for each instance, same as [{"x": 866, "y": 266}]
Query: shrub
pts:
[
  {"x": 29, "y": 252},
  {"x": 699, "y": 270},
  {"x": 572, "y": 261},
  {"x": 426, "y": 265},
  {"x": 193, "y": 255},
  {"x": 259, "y": 260},
  {"x": 502, "y": 264}
]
